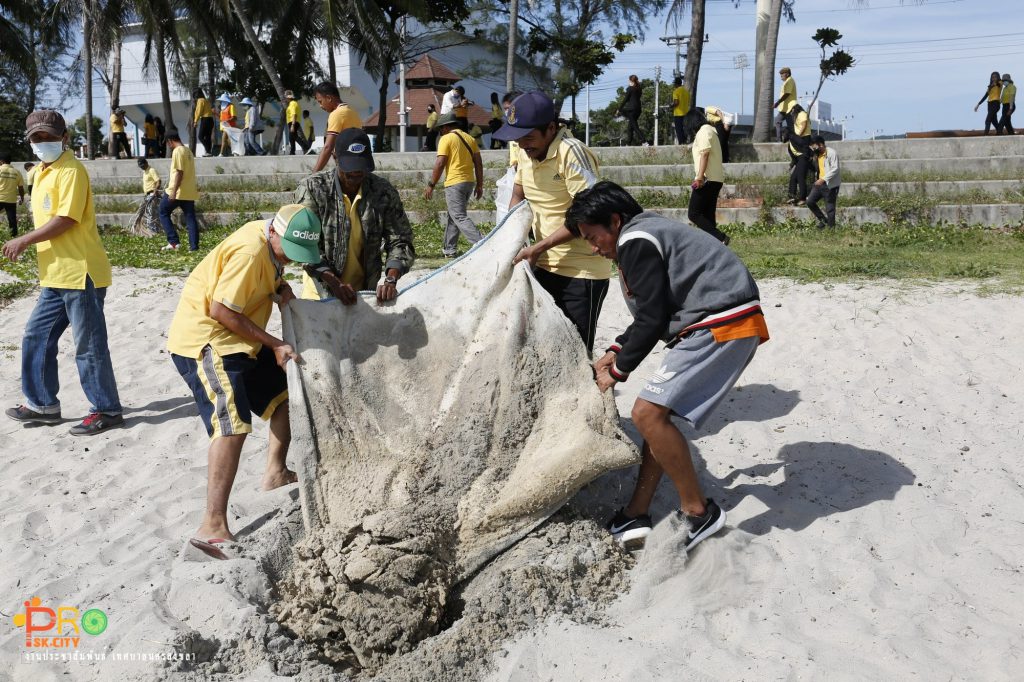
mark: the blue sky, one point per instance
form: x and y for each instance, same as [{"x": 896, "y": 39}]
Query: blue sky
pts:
[{"x": 919, "y": 66}]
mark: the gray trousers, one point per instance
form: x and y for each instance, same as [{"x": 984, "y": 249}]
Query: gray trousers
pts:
[{"x": 457, "y": 198}]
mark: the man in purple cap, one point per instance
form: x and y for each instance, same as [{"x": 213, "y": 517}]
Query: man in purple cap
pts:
[
  {"x": 552, "y": 168},
  {"x": 74, "y": 274}
]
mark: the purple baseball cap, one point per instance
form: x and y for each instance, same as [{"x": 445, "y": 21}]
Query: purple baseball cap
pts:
[{"x": 528, "y": 111}]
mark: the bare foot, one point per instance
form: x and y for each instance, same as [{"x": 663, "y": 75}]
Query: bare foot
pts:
[
  {"x": 211, "y": 532},
  {"x": 278, "y": 479}
]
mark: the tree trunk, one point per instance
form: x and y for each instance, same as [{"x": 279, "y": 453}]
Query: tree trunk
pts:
[
  {"x": 257, "y": 46},
  {"x": 115, "y": 78},
  {"x": 114, "y": 93},
  {"x": 268, "y": 66},
  {"x": 510, "y": 58},
  {"x": 87, "y": 55},
  {"x": 165, "y": 89},
  {"x": 383, "y": 103},
  {"x": 332, "y": 68},
  {"x": 762, "y": 13},
  {"x": 763, "y": 105},
  {"x": 694, "y": 49}
]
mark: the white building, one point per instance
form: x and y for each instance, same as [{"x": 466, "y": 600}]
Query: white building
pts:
[{"x": 140, "y": 89}]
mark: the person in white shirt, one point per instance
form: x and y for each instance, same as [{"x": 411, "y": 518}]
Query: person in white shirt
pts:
[{"x": 450, "y": 99}]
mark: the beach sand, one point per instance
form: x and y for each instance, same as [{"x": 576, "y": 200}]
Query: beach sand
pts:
[{"x": 868, "y": 460}]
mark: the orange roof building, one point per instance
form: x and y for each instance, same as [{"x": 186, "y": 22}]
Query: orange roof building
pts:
[{"x": 426, "y": 83}]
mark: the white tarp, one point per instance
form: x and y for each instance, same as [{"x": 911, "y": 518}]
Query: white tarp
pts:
[{"x": 429, "y": 435}]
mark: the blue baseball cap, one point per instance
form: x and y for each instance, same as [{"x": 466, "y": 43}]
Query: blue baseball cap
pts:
[{"x": 528, "y": 111}]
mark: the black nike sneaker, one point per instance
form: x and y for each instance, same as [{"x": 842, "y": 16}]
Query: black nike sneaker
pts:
[
  {"x": 704, "y": 526},
  {"x": 630, "y": 532}
]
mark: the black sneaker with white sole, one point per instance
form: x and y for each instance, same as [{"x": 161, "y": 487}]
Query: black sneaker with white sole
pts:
[
  {"x": 704, "y": 526},
  {"x": 630, "y": 532}
]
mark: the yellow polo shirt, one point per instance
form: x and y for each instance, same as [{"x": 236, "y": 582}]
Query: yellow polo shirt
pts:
[
  {"x": 150, "y": 131},
  {"x": 62, "y": 189},
  {"x": 682, "y": 98},
  {"x": 513, "y": 153},
  {"x": 182, "y": 160},
  {"x": 10, "y": 181},
  {"x": 343, "y": 117},
  {"x": 115, "y": 125},
  {"x": 31, "y": 179},
  {"x": 1009, "y": 93},
  {"x": 240, "y": 274},
  {"x": 549, "y": 186},
  {"x": 993, "y": 92},
  {"x": 431, "y": 120},
  {"x": 354, "y": 273},
  {"x": 706, "y": 139},
  {"x": 293, "y": 112},
  {"x": 150, "y": 180},
  {"x": 307, "y": 127},
  {"x": 203, "y": 110},
  {"x": 458, "y": 157},
  {"x": 788, "y": 88}
]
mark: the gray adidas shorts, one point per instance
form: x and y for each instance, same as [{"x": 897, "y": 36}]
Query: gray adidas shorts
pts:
[{"x": 697, "y": 373}]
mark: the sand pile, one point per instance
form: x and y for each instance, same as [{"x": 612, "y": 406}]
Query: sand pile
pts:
[{"x": 437, "y": 432}]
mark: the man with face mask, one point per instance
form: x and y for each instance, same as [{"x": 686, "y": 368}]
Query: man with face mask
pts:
[
  {"x": 74, "y": 274},
  {"x": 364, "y": 222}
]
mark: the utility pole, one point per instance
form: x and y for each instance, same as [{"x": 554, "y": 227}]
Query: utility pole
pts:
[
  {"x": 403, "y": 115},
  {"x": 657, "y": 92},
  {"x": 741, "y": 62},
  {"x": 678, "y": 42}
]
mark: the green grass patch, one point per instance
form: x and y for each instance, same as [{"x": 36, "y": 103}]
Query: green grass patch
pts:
[
  {"x": 798, "y": 250},
  {"x": 792, "y": 249}
]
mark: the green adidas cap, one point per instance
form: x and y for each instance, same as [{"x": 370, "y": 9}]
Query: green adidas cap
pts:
[{"x": 299, "y": 229}]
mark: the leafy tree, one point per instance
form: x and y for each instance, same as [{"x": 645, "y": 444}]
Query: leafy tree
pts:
[
  {"x": 12, "y": 130},
  {"x": 607, "y": 130},
  {"x": 77, "y": 132},
  {"x": 375, "y": 29},
  {"x": 831, "y": 65},
  {"x": 567, "y": 38}
]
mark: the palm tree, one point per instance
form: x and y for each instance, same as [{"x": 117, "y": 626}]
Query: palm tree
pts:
[
  {"x": 766, "y": 73},
  {"x": 695, "y": 46},
  {"x": 510, "y": 59}
]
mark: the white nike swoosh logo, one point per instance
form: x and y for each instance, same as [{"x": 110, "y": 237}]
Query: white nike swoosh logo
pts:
[{"x": 619, "y": 529}]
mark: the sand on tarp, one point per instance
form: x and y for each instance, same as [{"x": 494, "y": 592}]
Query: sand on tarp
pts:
[{"x": 430, "y": 435}]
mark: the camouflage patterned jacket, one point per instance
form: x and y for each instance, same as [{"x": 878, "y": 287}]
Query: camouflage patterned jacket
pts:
[{"x": 386, "y": 229}]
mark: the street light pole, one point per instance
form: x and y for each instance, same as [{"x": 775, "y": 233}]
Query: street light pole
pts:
[
  {"x": 741, "y": 62},
  {"x": 403, "y": 115}
]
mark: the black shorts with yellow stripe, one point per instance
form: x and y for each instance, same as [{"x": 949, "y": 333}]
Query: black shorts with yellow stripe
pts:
[{"x": 229, "y": 389}]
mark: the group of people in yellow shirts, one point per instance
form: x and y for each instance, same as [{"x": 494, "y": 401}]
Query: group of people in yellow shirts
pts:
[
  {"x": 1000, "y": 92},
  {"x": 350, "y": 231}
]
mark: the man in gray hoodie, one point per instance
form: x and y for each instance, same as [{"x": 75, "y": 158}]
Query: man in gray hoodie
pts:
[
  {"x": 685, "y": 288},
  {"x": 827, "y": 185}
]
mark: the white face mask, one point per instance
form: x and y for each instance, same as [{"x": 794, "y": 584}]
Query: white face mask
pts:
[{"x": 47, "y": 152}]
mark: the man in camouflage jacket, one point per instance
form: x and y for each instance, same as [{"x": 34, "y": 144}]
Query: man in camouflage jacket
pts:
[{"x": 385, "y": 226}]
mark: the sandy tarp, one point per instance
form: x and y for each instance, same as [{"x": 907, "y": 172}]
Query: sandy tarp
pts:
[{"x": 430, "y": 435}]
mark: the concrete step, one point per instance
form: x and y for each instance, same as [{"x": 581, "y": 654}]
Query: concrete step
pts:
[
  {"x": 987, "y": 215},
  {"x": 850, "y": 150},
  {"x": 992, "y": 188},
  {"x": 972, "y": 168}
]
